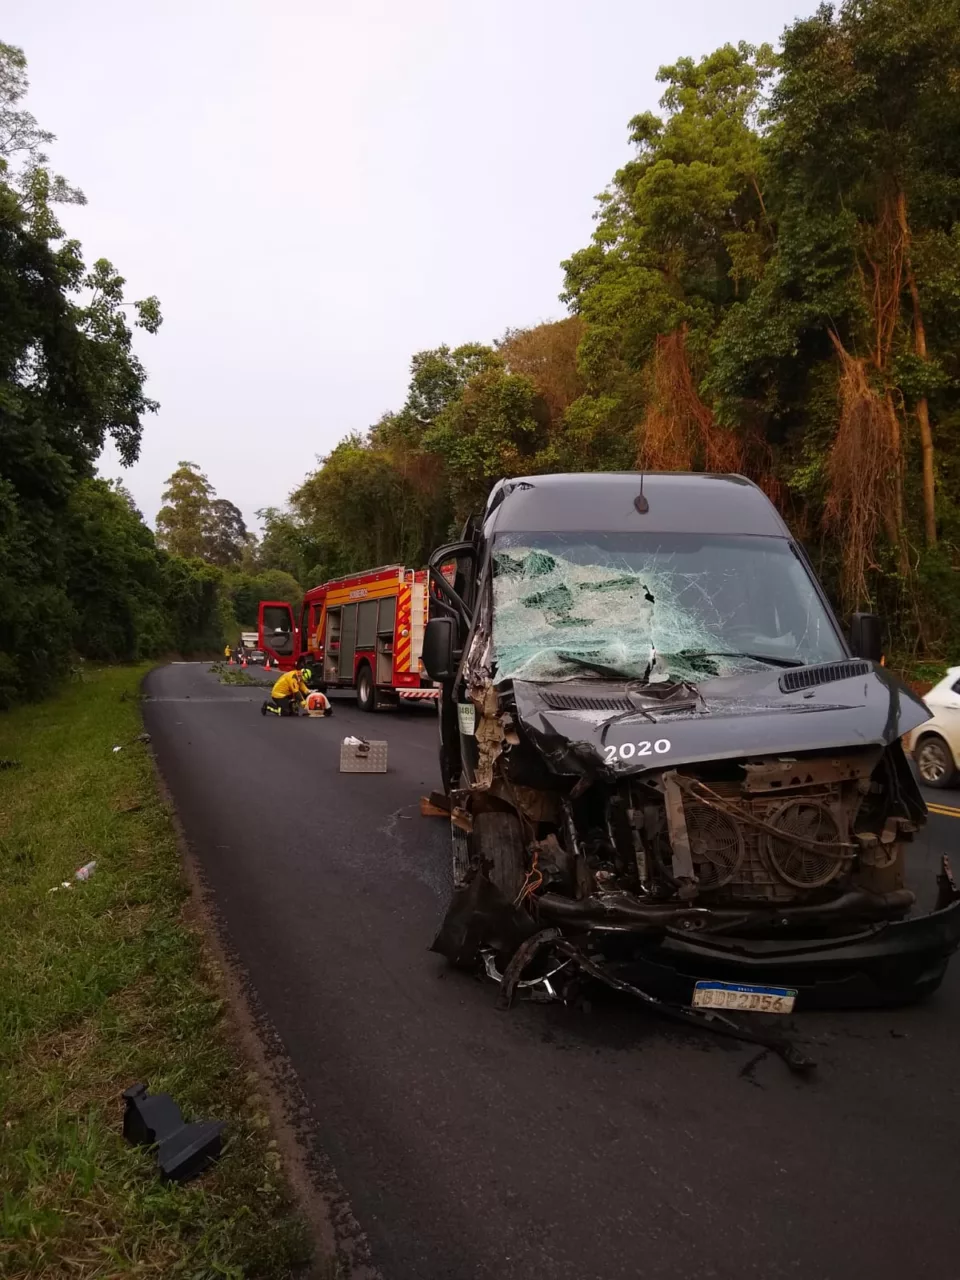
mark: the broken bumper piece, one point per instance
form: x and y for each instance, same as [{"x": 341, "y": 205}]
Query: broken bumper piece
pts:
[
  {"x": 481, "y": 923},
  {"x": 566, "y": 956},
  {"x": 183, "y": 1150},
  {"x": 660, "y": 962},
  {"x": 889, "y": 963}
]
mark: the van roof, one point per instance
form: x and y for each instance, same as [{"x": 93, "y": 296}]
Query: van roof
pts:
[{"x": 678, "y": 502}]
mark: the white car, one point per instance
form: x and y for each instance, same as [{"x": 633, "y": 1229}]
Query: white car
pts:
[{"x": 935, "y": 746}]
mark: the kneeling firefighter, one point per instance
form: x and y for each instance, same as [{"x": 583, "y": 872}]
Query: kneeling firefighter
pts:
[{"x": 289, "y": 693}]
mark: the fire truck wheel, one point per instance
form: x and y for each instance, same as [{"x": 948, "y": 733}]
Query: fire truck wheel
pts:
[{"x": 366, "y": 689}]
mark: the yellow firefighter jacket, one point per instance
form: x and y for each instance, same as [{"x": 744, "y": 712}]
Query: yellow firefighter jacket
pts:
[{"x": 290, "y": 684}]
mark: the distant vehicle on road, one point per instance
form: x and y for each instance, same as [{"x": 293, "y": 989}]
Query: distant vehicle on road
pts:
[
  {"x": 362, "y": 632},
  {"x": 256, "y": 657},
  {"x": 935, "y": 746}
]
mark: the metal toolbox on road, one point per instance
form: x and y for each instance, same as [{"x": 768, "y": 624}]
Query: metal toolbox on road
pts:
[{"x": 363, "y": 757}]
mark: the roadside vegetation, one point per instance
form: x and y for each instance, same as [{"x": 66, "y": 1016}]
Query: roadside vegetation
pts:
[
  {"x": 81, "y": 574},
  {"x": 102, "y": 985},
  {"x": 773, "y": 287}
]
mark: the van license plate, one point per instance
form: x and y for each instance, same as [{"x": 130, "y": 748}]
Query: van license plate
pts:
[{"x": 741, "y": 998}]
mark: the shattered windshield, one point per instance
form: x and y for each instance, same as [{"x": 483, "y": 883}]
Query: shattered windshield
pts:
[{"x": 651, "y": 606}]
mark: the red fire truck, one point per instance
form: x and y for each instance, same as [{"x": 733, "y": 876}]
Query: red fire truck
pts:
[{"x": 363, "y": 632}]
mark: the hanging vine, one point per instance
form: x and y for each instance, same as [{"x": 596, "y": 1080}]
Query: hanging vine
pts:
[{"x": 679, "y": 432}]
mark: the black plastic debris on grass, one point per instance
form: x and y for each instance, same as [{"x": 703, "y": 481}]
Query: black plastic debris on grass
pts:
[
  {"x": 183, "y": 1150},
  {"x": 11, "y": 764}
]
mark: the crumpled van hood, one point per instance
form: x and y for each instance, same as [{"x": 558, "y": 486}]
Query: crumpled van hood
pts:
[{"x": 733, "y": 717}]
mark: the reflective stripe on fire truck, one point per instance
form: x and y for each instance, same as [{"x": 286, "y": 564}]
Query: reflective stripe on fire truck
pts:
[
  {"x": 402, "y": 637},
  {"x": 418, "y": 622}
]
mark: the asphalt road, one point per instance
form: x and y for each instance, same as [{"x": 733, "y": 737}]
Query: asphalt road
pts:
[{"x": 544, "y": 1142}]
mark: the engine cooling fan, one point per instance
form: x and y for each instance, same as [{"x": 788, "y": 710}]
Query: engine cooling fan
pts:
[
  {"x": 715, "y": 843},
  {"x": 797, "y": 864}
]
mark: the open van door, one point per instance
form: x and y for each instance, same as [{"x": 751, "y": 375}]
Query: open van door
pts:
[{"x": 277, "y": 633}]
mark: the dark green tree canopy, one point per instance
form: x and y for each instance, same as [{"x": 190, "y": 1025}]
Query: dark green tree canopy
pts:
[
  {"x": 69, "y": 381},
  {"x": 183, "y": 522},
  {"x": 772, "y": 287},
  {"x": 194, "y": 522}
]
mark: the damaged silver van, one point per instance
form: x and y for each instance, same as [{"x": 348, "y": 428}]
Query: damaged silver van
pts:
[{"x": 665, "y": 764}]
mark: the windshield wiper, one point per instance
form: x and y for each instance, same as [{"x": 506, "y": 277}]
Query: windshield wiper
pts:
[{"x": 768, "y": 658}]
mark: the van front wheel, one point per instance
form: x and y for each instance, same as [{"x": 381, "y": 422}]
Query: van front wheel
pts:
[{"x": 498, "y": 847}]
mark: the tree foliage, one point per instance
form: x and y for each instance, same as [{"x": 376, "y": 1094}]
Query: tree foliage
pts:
[
  {"x": 844, "y": 352},
  {"x": 183, "y": 522},
  {"x": 194, "y": 522},
  {"x": 373, "y": 501},
  {"x": 773, "y": 287},
  {"x": 79, "y": 571},
  {"x": 243, "y": 592}
]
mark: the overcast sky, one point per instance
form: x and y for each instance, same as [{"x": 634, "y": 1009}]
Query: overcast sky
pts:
[{"x": 316, "y": 190}]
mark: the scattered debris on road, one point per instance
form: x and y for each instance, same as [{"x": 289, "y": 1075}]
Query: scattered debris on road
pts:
[
  {"x": 183, "y": 1150},
  {"x": 81, "y": 874},
  {"x": 435, "y": 805}
]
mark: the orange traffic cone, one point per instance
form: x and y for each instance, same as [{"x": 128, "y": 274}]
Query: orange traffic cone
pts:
[
  {"x": 266, "y": 664},
  {"x": 230, "y": 662},
  {"x": 244, "y": 663}
]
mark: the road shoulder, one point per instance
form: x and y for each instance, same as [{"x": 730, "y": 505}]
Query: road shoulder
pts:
[
  {"x": 341, "y": 1251},
  {"x": 112, "y": 982}
]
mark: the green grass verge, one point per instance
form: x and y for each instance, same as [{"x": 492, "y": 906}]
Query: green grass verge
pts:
[{"x": 101, "y": 985}]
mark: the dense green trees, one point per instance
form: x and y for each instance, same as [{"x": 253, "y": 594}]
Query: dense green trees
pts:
[
  {"x": 79, "y": 571},
  {"x": 194, "y": 522},
  {"x": 183, "y": 522},
  {"x": 210, "y": 533},
  {"x": 844, "y": 353},
  {"x": 773, "y": 286}
]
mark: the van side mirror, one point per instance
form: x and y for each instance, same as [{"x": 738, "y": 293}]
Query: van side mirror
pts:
[
  {"x": 438, "y": 656},
  {"x": 866, "y": 636}
]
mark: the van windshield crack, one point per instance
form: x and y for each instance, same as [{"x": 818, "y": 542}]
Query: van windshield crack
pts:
[{"x": 651, "y": 607}]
